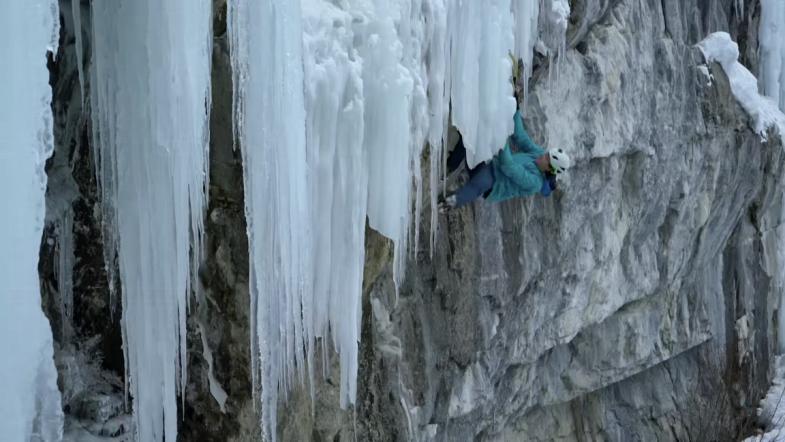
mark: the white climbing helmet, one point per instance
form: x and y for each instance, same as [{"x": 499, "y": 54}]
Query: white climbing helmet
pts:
[{"x": 560, "y": 161}]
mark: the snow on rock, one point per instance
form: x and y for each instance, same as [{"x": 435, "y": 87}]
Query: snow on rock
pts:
[
  {"x": 30, "y": 403},
  {"x": 764, "y": 111},
  {"x": 704, "y": 70},
  {"x": 720, "y": 48},
  {"x": 150, "y": 81}
]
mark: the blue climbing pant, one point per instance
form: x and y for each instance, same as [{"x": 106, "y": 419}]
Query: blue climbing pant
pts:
[
  {"x": 481, "y": 182},
  {"x": 481, "y": 178}
]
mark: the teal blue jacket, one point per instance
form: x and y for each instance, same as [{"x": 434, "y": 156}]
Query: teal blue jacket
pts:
[{"x": 517, "y": 174}]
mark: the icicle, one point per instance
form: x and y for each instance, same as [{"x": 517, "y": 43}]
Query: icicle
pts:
[
  {"x": 335, "y": 139},
  {"x": 412, "y": 31},
  {"x": 76, "y": 12},
  {"x": 64, "y": 272},
  {"x": 151, "y": 82},
  {"x": 554, "y": 20},
  {"x": 30, "y": 403},
  {"x": 526, "y": 14},
  {"x": 101, "y": 97},
  {"x": 739, "y": 4},
  {"x": 266, "y": 45},
  {"x": 438, "y": 101},
  {"x": 387, "y": 87}
]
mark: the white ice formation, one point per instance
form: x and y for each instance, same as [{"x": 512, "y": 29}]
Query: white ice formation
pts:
[
  {"x": 30, "y": 403},
  {"x": 149, "y": 88}
]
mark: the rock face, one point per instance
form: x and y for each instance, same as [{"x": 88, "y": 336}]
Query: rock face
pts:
[{"x": 634, "y": 304}]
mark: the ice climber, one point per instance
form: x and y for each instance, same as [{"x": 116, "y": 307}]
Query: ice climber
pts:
[{"x": 521, "y": 168}]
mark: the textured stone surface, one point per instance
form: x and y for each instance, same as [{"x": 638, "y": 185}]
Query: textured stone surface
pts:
[
  {"x": 640, "y": 291},
  {"x": 650, "y": 251}
]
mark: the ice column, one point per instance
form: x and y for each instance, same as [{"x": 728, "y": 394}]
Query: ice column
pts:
[
  {"x": 338, "y": 183},
  {"x": 30, "y": 403},
  {"x": 150, "y": 97},
  {"x": 772, "y": 50},
  {"x": 480, "y": 67},
  {"x": 387, "y": 88},
  {"x": 267, "y": 63},
  {"x": 772, "y": 82},
  {"x": 438, "y": 59}
]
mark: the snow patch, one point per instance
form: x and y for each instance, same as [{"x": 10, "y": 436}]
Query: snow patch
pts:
[
  {"x": 704, "y": 70},
  {"x": 720, "y": 48},
  {"x": 559, "y": 14}
]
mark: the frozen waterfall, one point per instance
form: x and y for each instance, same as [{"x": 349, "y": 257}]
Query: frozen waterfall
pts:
[
  {"x": 30, "y": 404},
  {"x": 334, "y": 104},
  {"x": 150, "y": 100},
  {"x": 334, "y": 108}
]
